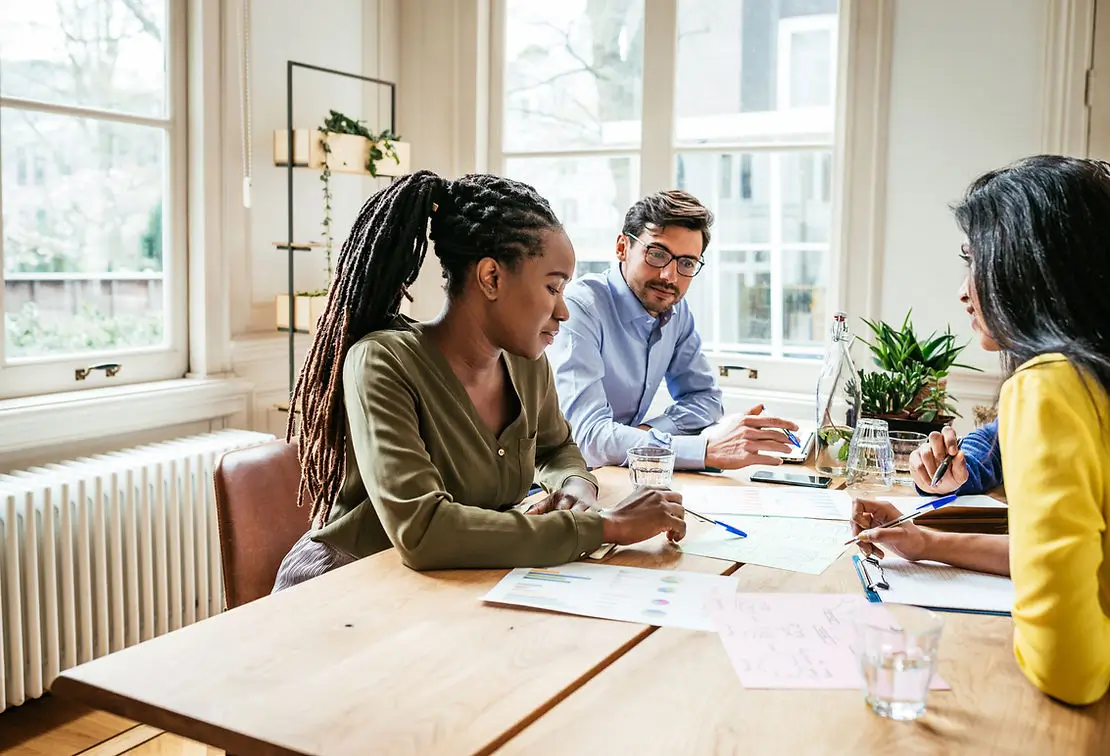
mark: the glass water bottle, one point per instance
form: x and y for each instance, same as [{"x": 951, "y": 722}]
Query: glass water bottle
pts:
[{"x": 838, "y": 404}]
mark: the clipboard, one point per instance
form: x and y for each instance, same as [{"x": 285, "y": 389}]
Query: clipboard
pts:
[{"x": 876, "y": 583}]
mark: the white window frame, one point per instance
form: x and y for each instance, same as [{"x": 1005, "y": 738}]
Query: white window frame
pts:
[
  {"x": 54, "y": 374},
  {"x": 863, "y": 43}
]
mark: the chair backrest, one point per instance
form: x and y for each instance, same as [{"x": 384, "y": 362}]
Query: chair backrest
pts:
[{"x": 256, "y": 508}]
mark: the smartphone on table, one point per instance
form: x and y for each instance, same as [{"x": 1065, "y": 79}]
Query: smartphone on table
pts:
[{"x": 807, "y": 480}]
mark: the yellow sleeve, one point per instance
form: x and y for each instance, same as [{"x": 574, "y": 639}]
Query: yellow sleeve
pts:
[{"x": 1055, "y": 476}]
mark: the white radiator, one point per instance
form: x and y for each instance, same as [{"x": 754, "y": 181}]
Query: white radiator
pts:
[{"x": 103, "y": 552}]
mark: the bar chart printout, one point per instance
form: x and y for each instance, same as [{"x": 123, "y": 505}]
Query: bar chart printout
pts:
[{"x": 627, "y": 594}]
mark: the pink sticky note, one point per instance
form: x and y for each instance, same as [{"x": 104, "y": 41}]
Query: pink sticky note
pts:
[{"x": 790, "y": 640}]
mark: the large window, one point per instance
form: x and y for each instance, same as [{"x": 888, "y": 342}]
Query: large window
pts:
[
  {"x": 740, "y": 113},
  {"x": 91, "y": 192}
]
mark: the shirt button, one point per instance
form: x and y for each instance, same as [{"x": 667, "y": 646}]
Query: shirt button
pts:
[{"x": 500, "y": 452}]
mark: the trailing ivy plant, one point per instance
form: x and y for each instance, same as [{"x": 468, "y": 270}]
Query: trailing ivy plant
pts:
[{"x": 381, "y": 146}]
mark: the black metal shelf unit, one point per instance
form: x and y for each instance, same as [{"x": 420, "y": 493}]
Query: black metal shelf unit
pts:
[{"x": 289, "y": 247}]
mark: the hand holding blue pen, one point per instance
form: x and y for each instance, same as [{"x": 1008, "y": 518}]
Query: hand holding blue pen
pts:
[
  {"x": 725, "y": 525},
  {"x": 928, "y": 506}
]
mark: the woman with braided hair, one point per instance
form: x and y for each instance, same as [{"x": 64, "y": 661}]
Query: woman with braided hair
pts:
[{"x": 424, "y": 436}]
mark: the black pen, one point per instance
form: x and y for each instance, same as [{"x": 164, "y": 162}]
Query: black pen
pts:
[{"x": 944, "y": 465}]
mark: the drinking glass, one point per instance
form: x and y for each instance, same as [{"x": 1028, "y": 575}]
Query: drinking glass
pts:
[
  {"x": 870, "y": 457},
  {"x": 651, "y": 466},
  {"x": 897, "y": 649},
  {"x": 902, "y": 443}
]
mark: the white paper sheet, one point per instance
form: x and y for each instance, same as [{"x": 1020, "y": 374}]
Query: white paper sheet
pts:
[
  {"x": 629, "y": 594},
  {"x": 942, "y": 586},
  {"x": 767, "y": 501},
  {"x": 786, "y": 543}
]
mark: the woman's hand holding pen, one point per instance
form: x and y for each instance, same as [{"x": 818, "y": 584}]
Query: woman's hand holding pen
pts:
[
  {"x": 906, "y": 540},
  {"x": 644, "y": 513},
  {"x": 925, "y": 460}
]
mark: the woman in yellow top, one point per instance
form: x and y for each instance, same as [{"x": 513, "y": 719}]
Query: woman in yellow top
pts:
[{"x": 1038, "y": 291}]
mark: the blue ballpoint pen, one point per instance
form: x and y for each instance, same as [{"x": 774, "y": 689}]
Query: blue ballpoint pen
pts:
[
  {"x": 793, "y": 439},
  {"x": 928, "y": 506},
  {"x": 725, "y": 525}
]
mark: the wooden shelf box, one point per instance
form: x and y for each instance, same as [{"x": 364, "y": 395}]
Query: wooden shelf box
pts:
[
  {"x": 307, "y": 310},
  {"x": 349, "y": 153}
]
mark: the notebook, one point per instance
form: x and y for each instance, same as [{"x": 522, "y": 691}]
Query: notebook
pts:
[
  {"x": 973, "y": 513},
  {"x": 934, "y": 586}
]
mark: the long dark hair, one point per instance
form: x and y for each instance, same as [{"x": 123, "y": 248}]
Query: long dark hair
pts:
[
  {"x": 1039, "y": 234},
  {"x": 474, "y": 217}
]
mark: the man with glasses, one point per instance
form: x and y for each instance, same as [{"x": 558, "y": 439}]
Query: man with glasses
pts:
[{"x": 629, "y": 328}]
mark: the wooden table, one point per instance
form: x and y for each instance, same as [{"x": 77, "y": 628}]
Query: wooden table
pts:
[
  {"x": 676, "y": 693},
  {"x": 374, "y": 657},
  {"x": 370, "y": 657}
]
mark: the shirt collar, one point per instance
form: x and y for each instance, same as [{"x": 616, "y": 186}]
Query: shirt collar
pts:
[{"x": 628, "y": 305}]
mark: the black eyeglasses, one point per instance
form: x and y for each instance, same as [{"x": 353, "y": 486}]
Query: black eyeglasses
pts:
[{"x": 658, "y": 256}]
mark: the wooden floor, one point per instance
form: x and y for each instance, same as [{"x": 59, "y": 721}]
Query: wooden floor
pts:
[{"x": 51, "y": 726}]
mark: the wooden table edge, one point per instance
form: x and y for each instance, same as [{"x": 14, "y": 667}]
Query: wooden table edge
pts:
[
  {"x": 578, "y": 682},
  {"x": 230, "y": 741}
]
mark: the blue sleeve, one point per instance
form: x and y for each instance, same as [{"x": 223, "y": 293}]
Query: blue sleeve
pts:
[
  {"x": 697, "y": 399},
  {"x": 579, "y": 369},
  {"x": 984, "y": 461}
]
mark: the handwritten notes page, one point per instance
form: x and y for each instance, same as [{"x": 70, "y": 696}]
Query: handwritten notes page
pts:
[
  {"x": 770, "y": 501},
  {"x": 808, "y": 546},
  {"x": 791, "y": 640},
  {"x": 945, "y": 587},
  {"x": 628, "y": 594}
]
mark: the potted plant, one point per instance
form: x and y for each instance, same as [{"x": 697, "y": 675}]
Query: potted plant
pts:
[
  {"x": 340, "y": 144},
  {"x": 910, "y": 391},
  {"x": 347, "y": 153}
]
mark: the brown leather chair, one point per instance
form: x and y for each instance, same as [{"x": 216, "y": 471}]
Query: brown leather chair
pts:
[{"x": 258, "y": 516}]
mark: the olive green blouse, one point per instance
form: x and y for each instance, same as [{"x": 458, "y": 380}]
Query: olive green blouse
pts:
[{"x": 425, "y": 474}]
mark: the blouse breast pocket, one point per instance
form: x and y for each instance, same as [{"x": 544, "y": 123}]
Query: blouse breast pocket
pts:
[{"x": 526, "y": 466}]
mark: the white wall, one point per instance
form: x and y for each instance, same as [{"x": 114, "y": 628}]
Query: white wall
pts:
[
  {"x": 965, "y": 97},
  {"x": 442, "y": 102},
  {"x": 358, "y": 36}
]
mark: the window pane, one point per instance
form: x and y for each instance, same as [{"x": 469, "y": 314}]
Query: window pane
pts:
[
  {"x": 805, "y": 274},
  {"x": 573, "y": 73},
  {"x": 108, "y": 54},
  {"x": 772, "y": 70},
  {"x": 737, "y": 190},
  {"x": 807, "y": 196},
  {"x": 83, "y": 234},
  {"x": 770, "y": 207},
  {"x": 589, "y": 194},
  {"x": 745, "y": 301}
]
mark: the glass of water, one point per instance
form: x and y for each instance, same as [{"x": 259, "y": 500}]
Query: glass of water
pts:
[
  {"x": 903, "y": 443},
  {"x": 651, "y": 466},
  {"x": 897, "y": 648},
  {"x": 870, "y": 457}
]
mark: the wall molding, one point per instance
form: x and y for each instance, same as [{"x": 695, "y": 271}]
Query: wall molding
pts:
[
  {"x": 209, "y": 298},
  {"x": 1069, "y": 43},
  {"x": 866, "y": 38},
  {"x": 81, "y": 416}
]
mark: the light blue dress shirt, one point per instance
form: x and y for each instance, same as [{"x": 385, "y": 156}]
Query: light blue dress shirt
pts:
[{"x": 609, "y": 358}]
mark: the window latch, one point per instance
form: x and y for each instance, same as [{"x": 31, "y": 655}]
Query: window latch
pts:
[
  {"x": 110, "y": 369},
  {"x": 723, "y": 370}
]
